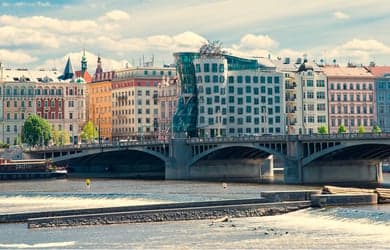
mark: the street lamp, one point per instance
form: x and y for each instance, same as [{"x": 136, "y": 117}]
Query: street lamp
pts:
[{"x": 99, "y": 128}]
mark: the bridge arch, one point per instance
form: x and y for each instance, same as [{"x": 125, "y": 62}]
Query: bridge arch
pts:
[
  {"x": 198, "y": 157},
  {"x": 369, "y": 149},
  {"x": 126, "y": 162},
  {"x": 90, "y": 152}
]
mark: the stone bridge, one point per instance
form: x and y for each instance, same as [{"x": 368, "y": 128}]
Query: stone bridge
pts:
[{"x": 331, "y": 158}]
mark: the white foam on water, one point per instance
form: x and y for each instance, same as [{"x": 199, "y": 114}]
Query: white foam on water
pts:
[{"x": 39, "y": 245}]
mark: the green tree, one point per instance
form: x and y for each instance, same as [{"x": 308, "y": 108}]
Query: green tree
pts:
[
  {"x": 361, "y": 129},
  {"x": 36, "y": 131},
  {"x": 89, "y": 132},
  {"x": 64, "y": 137},
  {"x": 322, "y": 130},
  {"x": 56, "y": 137},
  {"x": 376, "y": 129},
  {"x": 342, "y": 129}
]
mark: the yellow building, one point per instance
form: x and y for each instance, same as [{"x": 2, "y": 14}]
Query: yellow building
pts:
[{"x": 99, "y": 101}]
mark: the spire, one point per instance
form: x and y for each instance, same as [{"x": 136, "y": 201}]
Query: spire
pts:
[
  {"x": 84, "y": 62},
  {"x": 99, "y": 68},
  {"x": 68, "y": 71}
]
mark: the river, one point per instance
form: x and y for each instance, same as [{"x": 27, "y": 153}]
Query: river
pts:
[{"x": 358, "y": 227}]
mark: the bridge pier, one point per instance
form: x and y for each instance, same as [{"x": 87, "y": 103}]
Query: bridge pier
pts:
[
  {"x": 343, "y": 171},
  {"x": 180, "y": 155}
]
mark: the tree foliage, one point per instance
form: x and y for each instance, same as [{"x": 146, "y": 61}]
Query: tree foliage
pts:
[
  {"x": 361, "y": 129},
  {"x": 36, "y": 131},
  {"x": 376, "y": 129},
  {"x": 89, "y": 132},
  {"x": 342, "y": 129},
  {"x": 322, "y": 130},
  {"x": 60, "y": 137}
]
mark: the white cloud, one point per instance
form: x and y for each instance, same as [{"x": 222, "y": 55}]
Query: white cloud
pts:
[
  {"x": 16, "y": 57},
  {"x": 115, "y": 15},
  {"x": 340, "y": 15},
  {"x": 188, "y": 40},
  {"x": 13, "y": 36},
  {"x": 50, "y": 25},
  {"x": 251, "y": 41},
  {"x": 366, "y": 45},
  {"x": 358, "y": 51},
  {"x": 75, "y": 57}
]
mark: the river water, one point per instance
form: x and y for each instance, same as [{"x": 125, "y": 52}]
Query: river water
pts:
[{"x": 358, "y": 227}]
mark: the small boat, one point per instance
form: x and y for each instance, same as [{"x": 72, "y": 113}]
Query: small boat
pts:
[{"x": 29, "y": 169}]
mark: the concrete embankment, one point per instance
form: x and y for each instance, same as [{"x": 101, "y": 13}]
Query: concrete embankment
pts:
[
  {"x": 190, "y": 213},
  {"x": 23, "y": 217}
]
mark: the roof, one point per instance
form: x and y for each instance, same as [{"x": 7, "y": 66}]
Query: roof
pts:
[
  {"x": 68, "y": 71},
  {"x": 85, "y": 75},
  {"x": 379, "y": 71},
  {"x": 305, "y": 66},
  {"x": 33, "y": 76},
  {"x": 339, "y": 71}
]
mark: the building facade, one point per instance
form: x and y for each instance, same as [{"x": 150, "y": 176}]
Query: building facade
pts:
[
  {"x": 134, "y": 102},
  {"x": 99, "y": 101},
  {"x": 25, "y": 92},
  {"x": 168, "y": 94},
  {"x": 351, "y": 95},
  {"x": 236, "y": 96},
  {"x": 305, "y": 95},
  {"x": 382, "y": 90}
]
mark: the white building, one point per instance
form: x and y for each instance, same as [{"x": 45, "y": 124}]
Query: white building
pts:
[
  {"x": 238, "y": 96},
  {"x": 306, "y": 96}
]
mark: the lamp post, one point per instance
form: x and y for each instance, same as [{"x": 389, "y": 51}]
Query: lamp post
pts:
[{"x": 99, "y": 128}]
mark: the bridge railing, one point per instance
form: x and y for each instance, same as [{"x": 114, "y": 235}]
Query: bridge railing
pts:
[
  {"x": 344, "y": 136},
  {"x": 231, "y": 139},
  {"x": 96, "y": 145}
]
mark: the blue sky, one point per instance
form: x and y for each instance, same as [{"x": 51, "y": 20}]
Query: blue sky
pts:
[{"x": 44, "y": 33}]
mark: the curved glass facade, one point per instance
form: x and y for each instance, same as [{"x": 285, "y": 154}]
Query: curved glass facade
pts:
[{"x": 184, "y": 120}]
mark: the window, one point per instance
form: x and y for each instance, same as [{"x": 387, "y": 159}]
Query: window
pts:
[
  {"x": 197, "y": 67},
  {"x": 221, "y": 68},
  {"x": 321, "y": 83},
  {"x": 309, "y": 83},
  {"x": 239, "y": 79},
  {"x": 247, "y": 79},
  {"x": 255, "y": 79},
  {"x": 207, "y": 79},
  {"x": 206, "y": 67},
  {"x": 214, "y": 68},
  {"x": 269, "y": 79},
  {"x": 215, "y": 79},
  {"x": 231, "y": 79}
]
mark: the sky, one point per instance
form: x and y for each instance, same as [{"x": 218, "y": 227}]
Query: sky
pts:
[{"x": 43, "y": 34}]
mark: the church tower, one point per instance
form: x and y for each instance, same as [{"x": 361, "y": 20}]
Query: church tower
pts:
[
  {"x": 84, "y": 63},
  {"x": 99, "y": 68}
]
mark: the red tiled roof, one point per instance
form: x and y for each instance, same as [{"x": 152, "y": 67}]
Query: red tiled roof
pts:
[
  {"x": 86, "y": 76},
  {"x": 379, "y": 71},
  {"x": 346, "y": 71}
]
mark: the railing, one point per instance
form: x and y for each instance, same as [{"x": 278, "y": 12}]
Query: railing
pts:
[
  {"x": 97, "y": 145},
  {"x": 231, "y": 139}
]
